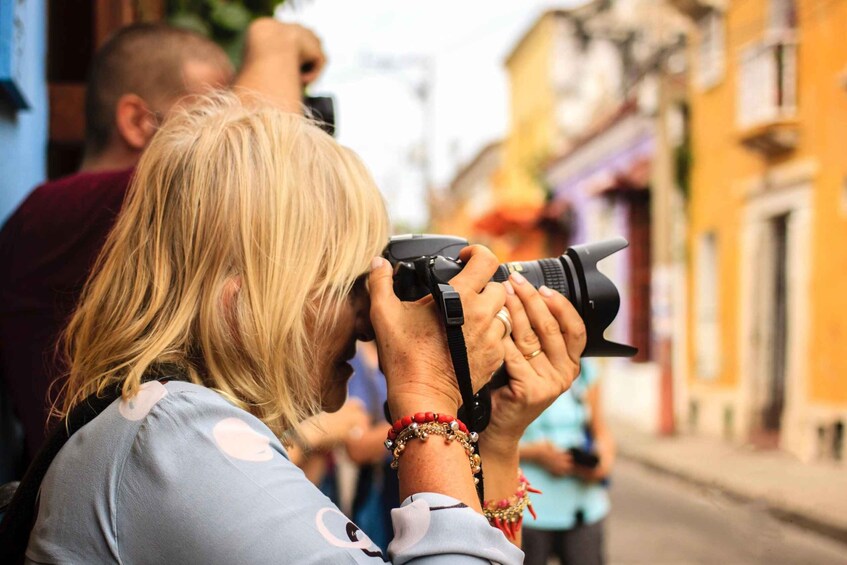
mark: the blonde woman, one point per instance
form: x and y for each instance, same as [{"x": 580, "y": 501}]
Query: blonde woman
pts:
[{"x": 226, "y": 304}]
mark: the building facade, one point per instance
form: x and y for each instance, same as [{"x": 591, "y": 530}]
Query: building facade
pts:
[
  {"x": 519, "y": 194},
  {"x": 469, "y": 196},
  {"x": 617, "y": 177},
  {"x": 23, "y": 100},
  {"x": 768, "y": 232}
]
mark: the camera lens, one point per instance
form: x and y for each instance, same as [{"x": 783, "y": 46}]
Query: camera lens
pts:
[
  {"x": 575, "y": 275},
  {"x": 548, "y": 272}
]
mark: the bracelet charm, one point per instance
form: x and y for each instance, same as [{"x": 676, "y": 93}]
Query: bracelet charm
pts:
[{"x": 507, "y": 514}]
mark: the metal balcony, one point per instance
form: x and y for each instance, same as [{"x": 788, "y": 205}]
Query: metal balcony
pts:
[
  {"x": 767, "y": 95},
  {"x": 696, "y": 9}
]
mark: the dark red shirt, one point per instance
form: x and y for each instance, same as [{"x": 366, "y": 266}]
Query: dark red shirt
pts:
[{"x": 47, "y": 248}]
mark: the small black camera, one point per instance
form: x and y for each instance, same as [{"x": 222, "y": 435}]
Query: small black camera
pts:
[
  {"x": 322, "y": 110},
  {"x": 420, "y": 261}
]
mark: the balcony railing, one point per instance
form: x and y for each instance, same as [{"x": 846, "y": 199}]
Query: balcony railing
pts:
[{"x": 767, "y": 85}]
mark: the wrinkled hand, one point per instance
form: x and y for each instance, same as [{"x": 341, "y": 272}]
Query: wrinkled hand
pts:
[
  {"x": 270, "y": 40},
  {"x": 412, "y": 342},
  {"x": 543, "y": 321},
  {"x": 326, "y": 430}
]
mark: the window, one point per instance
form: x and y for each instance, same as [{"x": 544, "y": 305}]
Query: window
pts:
[
  {"x": 706, "y": 331},
  {"x": 712, "y": 49},
  {"x": 767, "y": 84}
]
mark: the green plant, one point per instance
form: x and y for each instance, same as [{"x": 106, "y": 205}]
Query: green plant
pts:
[
  {"x": 224, "y": 21},
  {"x": 684, "y": 157}
]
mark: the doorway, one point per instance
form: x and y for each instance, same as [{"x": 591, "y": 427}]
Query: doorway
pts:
[
  {"x": 775, "y": 384},
  {"x": 772, "y": 318}
]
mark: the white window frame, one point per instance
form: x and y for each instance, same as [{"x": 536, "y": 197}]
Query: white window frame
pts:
[
  {"x": 711, "y": 49},
  {"x": 707, "y": 308}
]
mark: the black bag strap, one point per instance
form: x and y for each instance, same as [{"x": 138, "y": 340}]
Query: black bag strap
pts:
[
  {"x": 19, "y": 518},
  {"x": 20, "y": 515}
]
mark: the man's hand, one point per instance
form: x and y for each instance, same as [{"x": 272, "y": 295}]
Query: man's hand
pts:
[
  {"x": 324, "y": 431},
  {"x": 280, "y": 60}
]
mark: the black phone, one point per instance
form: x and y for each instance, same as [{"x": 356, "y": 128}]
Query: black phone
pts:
[{"x": 584, "y": 458}]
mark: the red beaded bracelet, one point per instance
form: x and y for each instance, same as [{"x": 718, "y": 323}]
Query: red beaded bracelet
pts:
[
  {"x": 424, "y": 424},
  {"x": 424, "y": 418}
]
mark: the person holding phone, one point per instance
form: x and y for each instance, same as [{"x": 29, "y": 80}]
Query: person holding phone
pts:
[{"x": 568, "y": 453}]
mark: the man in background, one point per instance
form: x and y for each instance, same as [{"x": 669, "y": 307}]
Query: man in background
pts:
[{"x": 49, "y": 244}]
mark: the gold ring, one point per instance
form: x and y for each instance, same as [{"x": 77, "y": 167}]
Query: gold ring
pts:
[
  {"x": 503, "y": 316},
  {"x": 535, "y": 353}
]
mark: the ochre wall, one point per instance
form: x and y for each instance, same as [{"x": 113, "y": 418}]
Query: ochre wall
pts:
[
  {"x": 715, "y": 205},
  {"x": 722, "y": 164},
  {"x": 823, "y": 114},
  {"x": 532, "y": 118}
]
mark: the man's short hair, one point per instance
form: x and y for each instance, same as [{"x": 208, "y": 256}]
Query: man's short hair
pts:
[{"x": 145, "y": 59}]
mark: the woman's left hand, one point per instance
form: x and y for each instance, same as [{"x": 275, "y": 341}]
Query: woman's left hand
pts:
[{"x": 542, "y": 359}]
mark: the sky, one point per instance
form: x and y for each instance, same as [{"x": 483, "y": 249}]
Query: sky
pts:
[{"x": 383, "y": 53}]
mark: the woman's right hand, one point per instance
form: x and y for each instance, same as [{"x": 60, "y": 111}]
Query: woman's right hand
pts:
[
  {"x": 542, "y": 358},
  {"x": 412, "y": 343}
]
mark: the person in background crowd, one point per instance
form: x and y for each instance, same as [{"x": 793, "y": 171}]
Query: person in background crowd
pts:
[
  {"x": 47, "y": 246},
  {"x": 312, "y": 448},
  {"x": 225, "y": 307},
  {"x": 376, "y": 485},
  {"x": 572, "y": 512}
]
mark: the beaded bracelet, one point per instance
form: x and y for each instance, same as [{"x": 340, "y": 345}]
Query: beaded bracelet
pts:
[
  {"x": 507, "y": 514},
  {"x": 424, "y": 424}
]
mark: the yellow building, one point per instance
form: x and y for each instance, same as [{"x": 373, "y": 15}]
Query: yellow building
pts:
[
  {"x": 768, "y": 223},
  {"x": 534, "y": 136},
  {"x": 533, "y": 133},
  {"x": 468, "y": 198}
]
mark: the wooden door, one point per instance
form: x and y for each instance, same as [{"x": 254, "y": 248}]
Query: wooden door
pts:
[{"x": 76, "y": 28}]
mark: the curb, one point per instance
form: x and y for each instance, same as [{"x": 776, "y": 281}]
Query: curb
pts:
[{"x": 836, "y": 532}]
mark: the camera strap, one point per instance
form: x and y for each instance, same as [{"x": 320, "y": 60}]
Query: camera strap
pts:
[
  {"x": 20, "y": 514},
  {"x": 450, "y": 306}
]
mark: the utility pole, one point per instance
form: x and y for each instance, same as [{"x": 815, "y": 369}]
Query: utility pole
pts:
[{"x": 422, "y": 89}]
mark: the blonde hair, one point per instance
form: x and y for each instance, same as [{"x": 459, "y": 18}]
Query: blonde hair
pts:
[{"x": 243, "y": 232}]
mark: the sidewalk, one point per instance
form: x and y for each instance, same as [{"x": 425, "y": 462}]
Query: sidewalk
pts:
[{"x": 809, "y": 495}]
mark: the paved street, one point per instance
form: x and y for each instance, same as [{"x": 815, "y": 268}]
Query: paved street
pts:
[{"x": 659, "y": 519}]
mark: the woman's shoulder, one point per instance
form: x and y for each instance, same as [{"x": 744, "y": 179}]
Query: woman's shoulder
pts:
[{"x": 181, "y": 416}]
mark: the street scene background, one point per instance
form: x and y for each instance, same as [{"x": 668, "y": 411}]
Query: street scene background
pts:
[{"x": 708, "y": 133}]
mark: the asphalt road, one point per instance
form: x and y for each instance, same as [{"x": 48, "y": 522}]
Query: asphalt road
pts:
[{"x": 658, "y": 519}]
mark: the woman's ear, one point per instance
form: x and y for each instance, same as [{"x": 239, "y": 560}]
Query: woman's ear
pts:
[
  {"x": 134, "y": 121},
  {"x": 232, "y": 287}
]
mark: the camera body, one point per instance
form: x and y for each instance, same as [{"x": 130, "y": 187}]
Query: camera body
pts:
[{"x": 322, "y": 110}]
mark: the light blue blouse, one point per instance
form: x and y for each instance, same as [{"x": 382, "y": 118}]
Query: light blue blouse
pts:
[
  {"x": 179, "y": 475},
  {"x": 563, "y": 424}
]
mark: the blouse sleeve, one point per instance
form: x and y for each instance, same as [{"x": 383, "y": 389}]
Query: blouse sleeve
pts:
[{"x": 206, "y": 482}]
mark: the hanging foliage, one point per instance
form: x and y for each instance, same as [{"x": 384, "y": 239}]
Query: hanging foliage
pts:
[{"x": 224, "y": 21}]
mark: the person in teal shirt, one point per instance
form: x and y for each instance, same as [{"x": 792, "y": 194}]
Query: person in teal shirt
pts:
[{"x": 572, "y": 509}]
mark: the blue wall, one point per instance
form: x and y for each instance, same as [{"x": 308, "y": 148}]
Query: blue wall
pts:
[{"x": 23, "y": 133}]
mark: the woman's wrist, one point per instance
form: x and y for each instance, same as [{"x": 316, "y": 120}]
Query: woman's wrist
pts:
[
  {"x": 422, "y": 399},
  {"x": 498, "y": 445}
]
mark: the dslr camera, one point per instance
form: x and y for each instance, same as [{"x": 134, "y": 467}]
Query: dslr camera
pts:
[
  {"x": 423, "y": 262},
  {"x": 420, "y": 261}
]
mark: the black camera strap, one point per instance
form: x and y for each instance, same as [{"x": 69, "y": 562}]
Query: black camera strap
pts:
[
  {"x": 450, "y": 306},
  {"x": 20, "y": 514}
]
